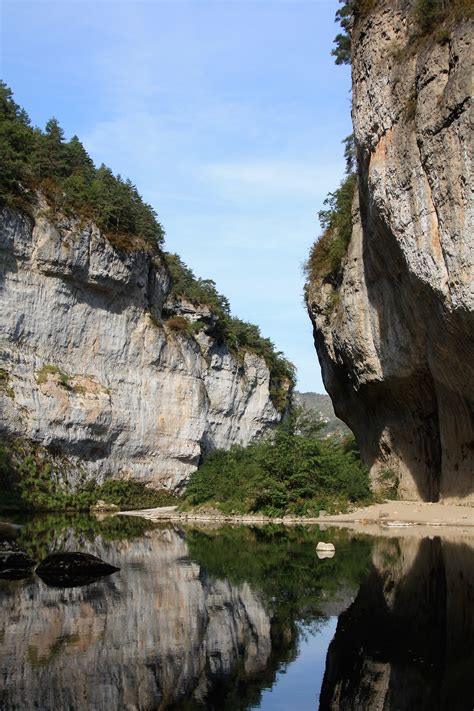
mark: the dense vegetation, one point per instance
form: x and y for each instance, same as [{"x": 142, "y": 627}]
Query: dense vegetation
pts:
[
  {"x": 30, "y": 480},
  {"x": 239, "y": 336},
  {"x": 293, "y": 470},
  {"x": 33, "y": 160}
]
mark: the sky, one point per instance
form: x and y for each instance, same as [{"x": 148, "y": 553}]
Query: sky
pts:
[{"x": 228, "y": 116}]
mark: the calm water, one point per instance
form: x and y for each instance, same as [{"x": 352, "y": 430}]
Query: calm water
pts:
[{"x": 240, "y": 618}]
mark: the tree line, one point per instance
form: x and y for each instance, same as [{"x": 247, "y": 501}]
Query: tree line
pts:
[{"x": 34, "y": 160}]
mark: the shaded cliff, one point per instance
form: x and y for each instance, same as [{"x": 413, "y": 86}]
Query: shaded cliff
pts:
[
  {"x": 97, "y": 365},
  {"x": 394, "y": 326}
]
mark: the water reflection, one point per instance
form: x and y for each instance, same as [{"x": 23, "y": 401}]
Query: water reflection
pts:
[
  {"x": 407, "y": 641},
  {"x": 211, "y": 620}
]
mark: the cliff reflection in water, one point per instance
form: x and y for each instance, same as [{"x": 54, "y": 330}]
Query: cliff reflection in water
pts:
[
  {"x": 196, "y": 620},
  {"x": 407, "y": 641},
  {"x": 206, "y": 620}
]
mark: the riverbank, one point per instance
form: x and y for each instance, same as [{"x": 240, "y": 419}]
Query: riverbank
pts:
[{"x": 387, "y": 517}]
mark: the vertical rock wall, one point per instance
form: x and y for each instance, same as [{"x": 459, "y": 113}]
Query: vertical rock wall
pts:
[
  {"x": 397, "y": 344},
  {"x": 90, "y": 368}
]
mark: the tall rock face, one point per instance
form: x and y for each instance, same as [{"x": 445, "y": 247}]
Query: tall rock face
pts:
[
  {"x": 92, "y": 367},
  {"x": 395, "y": 333}
]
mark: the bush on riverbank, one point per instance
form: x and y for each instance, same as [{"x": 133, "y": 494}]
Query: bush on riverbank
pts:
[
  {"x": 31, "y": 479},
  {"x": 292, "y": 471}
]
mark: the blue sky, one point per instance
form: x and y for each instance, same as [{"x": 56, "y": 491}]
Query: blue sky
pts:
[{"x": 228, "y": 116}]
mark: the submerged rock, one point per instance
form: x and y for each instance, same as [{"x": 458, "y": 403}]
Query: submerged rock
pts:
[{"x": 73, "y": 569}]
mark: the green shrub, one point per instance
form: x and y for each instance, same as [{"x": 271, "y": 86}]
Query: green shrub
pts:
[
  {"x": 32, "y": 479},
  {"x": 291, "y": 471},
  {"x": 327, "y": 253},
  {"x": 47, "y": 369}
]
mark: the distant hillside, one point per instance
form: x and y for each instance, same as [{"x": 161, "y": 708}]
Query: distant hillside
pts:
[{"x": 322, "y": 404}]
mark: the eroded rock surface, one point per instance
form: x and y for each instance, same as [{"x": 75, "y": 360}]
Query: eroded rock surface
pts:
[
  {"x": 395, "y": 337},
  {"x": 90, "y": 369}
]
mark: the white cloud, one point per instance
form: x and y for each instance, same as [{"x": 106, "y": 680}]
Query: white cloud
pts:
[{"x": 303, "y": 178}]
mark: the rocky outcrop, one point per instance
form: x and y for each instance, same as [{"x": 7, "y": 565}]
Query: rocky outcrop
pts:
[
  {"x": 91, "y": 369},
  {"x": 395, "y": 334}
]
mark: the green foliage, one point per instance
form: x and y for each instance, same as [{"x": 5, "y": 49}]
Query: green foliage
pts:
[
  {"x": 132, "y": 494},
  {"x": 34, "y": 160},
  {"x": 31, "y": 479},
  {"x": 46, "y": 370},
  {"x": 281, "y": 564},
  {"x": 431, "y": 14},
  {"x": 291, "y": 471},
  {"x": 327, "y": 253},
  {"x": 239, "y": 336},
  {"x": 345, "y": 16},
  {"x": 194, "y": 289}
]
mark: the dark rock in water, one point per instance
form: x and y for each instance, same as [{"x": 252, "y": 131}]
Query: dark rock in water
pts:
[
  {"x": 72, "y": 569},
  {"x": 15, "y": 564}
]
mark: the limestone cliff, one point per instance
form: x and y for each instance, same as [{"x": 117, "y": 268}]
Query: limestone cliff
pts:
[
  {"x": 395, "y": 331},
  {"x": 91, "y": 367}
]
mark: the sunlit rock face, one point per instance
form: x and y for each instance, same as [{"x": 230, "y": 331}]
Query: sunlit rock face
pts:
[
  {"x": 395, "y": 338},
  {"x": 406, "y": 641},
  {"x": 144, "y": 638},
  {"x": 91, "y": 370}
]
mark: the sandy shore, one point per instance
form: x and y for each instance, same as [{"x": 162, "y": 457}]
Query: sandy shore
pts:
[{"x": 389, "y": 518}]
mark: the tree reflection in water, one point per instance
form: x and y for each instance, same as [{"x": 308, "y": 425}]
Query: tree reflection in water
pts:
[{"x": 206, "y": 619}]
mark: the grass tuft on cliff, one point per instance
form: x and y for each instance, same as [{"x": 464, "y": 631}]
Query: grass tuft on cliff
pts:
[{"x": 292, "y": 471}]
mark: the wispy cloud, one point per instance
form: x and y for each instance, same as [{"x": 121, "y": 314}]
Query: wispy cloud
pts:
[{"x": 273, "y": 177}]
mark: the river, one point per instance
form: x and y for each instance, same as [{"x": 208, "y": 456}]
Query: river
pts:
[{"x": 239, "y": 618}]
